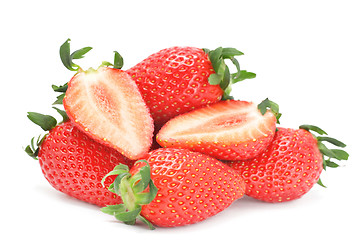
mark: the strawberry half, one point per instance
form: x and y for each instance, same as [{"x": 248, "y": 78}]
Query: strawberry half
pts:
[
  {"x": 227, "y": 130},
  {"x": 108, "y": 106}
]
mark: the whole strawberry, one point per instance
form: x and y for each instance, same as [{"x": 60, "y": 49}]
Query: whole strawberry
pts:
[
  {"x": 184, "y": 188},
  {"x": 179, "y": 79},
  {"x": 290, "y": 166},
  {"x": 73, "y": 163}
]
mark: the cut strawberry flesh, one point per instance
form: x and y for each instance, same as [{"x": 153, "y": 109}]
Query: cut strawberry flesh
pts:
[
  {"x": 108, "y": 106},
  {"x": 232, "y": 130}
]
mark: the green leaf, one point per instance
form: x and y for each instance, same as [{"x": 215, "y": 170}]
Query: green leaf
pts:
[
  {"x": 118, "y": 60},
  {"x": 62, "y": 88},
  {"x": 227, "y": 92},
  {"x": 264, "y": 105},
  {"x": 80, "y": 53},
  {"x": 340, "y": 154},
  {"x": 59, "y": 99},
  {"x": 32, "y": 144},
  {"x": 309, "y": 128},
  {"x": 333, "y": 153},
  {"x": 62, "y": 113},
  {"x": 332, "y": 141},
  {"x": 114, "y": 209},
  {"x": 111, "y": 188},
  {"x": 237, "y": 65},
  {"x": 117, "y": 183},
  {"x": 145, "y": 198},
  {"x": 67, "y": 57},
  {"x": 268, "y": 104},
  {"x": 227, "y": 96},
  {"x": 206, "y": 50},
  {"x": 31, "y": 152},
  {"x": 46, "y": 122},
  {"x": 152, "y": 190},
  {"x": 215, "y": 55},
  {"x": 144, "y": 220},
  {"x": 325, "y": 151},
  {"x": 118, "y": 169},
  {"x": 214, "y": 79},
  {"x": 242, "y": 76},
  {"x": 145, "y": 178},
  {"x": 226, "y": 80},
  {"x": 220, "y": 68},
  {"x": 106, "y": 64},
  {"x": 231, "y": 52},
  {"x": 128, "y": 217},
  {"x": 331, "y": 164},
  {"x": 33, "y": 149},
  {"x": 320, "y": 183}
]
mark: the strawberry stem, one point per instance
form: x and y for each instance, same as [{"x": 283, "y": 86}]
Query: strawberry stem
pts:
[
  {"x": 337, "y": 154},
  {"x": 132, "y": 191},
  {"x": 222, "y": 75}
]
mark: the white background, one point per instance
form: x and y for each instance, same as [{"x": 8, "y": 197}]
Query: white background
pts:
[{"x": 306, "y": 56}]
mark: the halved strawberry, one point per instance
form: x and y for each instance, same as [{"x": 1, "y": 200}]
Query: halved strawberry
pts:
[
  {"x": 227, "y": 130},
  {"x": 107, "y": 105}
]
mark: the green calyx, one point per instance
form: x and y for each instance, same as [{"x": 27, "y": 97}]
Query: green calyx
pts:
[
  {"x": 33, "y": 149},
  {"x": 222, "y": 75},
  {"x": 266, "y": 105},
  {"x": 135, "y": 191},
  {"x": 67, "y": 59},
  {"x": 328, "y": 154},
  {"x": 62, "y": 90},
  {"x": 46, "y": 122}
]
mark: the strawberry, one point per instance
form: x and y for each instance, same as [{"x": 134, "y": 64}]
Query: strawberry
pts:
[
  {"x": 181, "y": 187},
  {"x": 179, "y": 79},
  {"x": 72, "y": 162},
  {"x": 290, "y": 166},
  {"x": 227, "y": 130},
  {"x": 107, "y": 105}
]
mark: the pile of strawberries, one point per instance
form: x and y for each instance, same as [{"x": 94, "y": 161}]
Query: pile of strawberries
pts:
[{"x": 165, "y": 143}]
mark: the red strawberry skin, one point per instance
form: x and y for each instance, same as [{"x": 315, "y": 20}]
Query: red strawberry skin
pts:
[
  {"x": 191, "y": 187},
  {"x": 75, "y": 164},
  {"x": 174, "y": 81},
  {"x": 286, "y": 170},
  {"x": 226, "y": 130}
]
